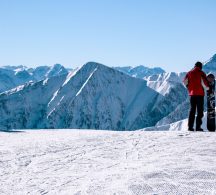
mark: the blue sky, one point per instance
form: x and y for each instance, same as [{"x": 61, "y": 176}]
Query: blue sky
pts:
[{"x": 166, "y": 33}]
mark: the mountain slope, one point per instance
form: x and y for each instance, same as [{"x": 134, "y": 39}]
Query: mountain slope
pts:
[
  {"x": 102, "y": 99},
  {"x": 179, "y": 112},
  {"x": 170, "y": 86},
  {"x": 25, "y": 105},
  {"x": 210, "y": 65},
  {"x": 163, "y": 83},
  {"x": 10, "y": 78}
]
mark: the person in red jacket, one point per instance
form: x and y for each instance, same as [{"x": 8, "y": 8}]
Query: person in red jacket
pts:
[{"x": 196, "y": 82}]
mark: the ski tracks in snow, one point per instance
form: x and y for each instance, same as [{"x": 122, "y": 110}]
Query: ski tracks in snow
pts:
[{"x": 106, "y": 162}]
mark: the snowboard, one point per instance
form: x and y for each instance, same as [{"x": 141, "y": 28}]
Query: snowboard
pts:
[{"x": 211, "y": 103}]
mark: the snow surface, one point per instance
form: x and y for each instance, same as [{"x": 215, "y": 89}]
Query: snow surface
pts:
[{"x": 107, "y": 162}]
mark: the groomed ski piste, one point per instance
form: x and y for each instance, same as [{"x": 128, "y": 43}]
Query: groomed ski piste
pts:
[{"x": 99, "y": 162}]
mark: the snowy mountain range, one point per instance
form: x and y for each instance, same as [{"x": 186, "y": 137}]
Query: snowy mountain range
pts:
[
  {"x": 140, "y": 71},
  {"x": 92, "y": 97},
  {"x": 13, "y": 76}
]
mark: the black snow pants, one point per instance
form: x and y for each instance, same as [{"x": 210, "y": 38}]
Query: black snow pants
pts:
[{"x": 196, "y": 103}]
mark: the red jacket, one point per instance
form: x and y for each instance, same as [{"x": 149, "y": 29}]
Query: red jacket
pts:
[{"x": 196, "y": 82}]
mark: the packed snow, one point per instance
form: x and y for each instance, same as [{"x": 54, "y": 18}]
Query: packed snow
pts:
[{"x": 107, "y": 162}]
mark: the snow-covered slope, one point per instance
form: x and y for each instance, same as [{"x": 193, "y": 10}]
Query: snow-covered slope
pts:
[
  {"x": 96, "y": 97},
  {"x": 102, "y": 98},
  {"x": 140, "y": 71},
  {"x": 179, "y": 112},
  {"x": 175, "y": 97},
  {"x": 25, "y": 105},
  {"x": 169, "y": 85},
  {"x": 13, "y": 76},
  {"x": 163, "y": 83},
  {"x": 107, "y": 162}
]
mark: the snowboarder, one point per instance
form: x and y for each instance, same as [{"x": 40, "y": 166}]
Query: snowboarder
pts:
[{"x": 196, "y": 81}]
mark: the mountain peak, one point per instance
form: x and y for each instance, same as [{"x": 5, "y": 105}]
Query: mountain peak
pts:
[
  {"x": 57, "y": 66},
  {"x": 93, "y": 65},
  {"x": 56, "y": 69}
]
